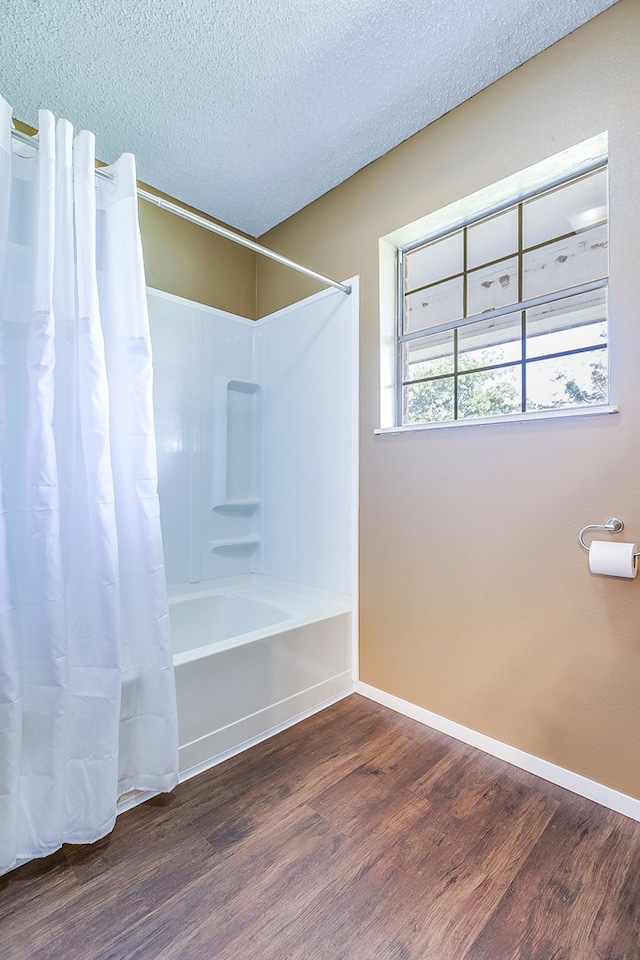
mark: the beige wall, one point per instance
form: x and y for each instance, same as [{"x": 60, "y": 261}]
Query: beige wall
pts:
[
  {"x": 191, "y": 262},
  {"x": 476, "y": 601}
]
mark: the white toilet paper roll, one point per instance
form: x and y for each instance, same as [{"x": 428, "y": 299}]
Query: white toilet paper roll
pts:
[{"x": 613, "y": 559}]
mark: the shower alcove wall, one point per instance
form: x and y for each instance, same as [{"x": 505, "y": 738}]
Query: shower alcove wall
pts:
[{"x": 256, "y": 432}]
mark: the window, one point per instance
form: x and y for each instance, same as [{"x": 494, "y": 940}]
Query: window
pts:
[{"x": 505, "y": 312}]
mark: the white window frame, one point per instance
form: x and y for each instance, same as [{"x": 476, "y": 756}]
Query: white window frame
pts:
[{"x": 575, "y": 161}]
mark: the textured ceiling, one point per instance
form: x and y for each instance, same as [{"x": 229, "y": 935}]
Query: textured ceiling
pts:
[{"x": 250, "y": 109}]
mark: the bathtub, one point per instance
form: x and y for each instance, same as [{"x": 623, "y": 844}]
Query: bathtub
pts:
[{"x": 252, "y": 655}]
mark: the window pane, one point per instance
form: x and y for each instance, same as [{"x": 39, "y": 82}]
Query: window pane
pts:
[
  {"x": 568, "y": 324},
  {"x": 492, "y": 287},
  {"x": 493, "y": 238},
  {"x": 437, "y": 260},
  {"x": 567, "y": 381},
  {"x": 575, "y": 206},
  {"x": 428, "y": 402},
  {"x": 488, "y": 342},
  {"x": 567, "y": 263},
  {"x": 430, "y": 357},
  {"x": 428, "y": 308},
  {"x": 489, "y": 393}
]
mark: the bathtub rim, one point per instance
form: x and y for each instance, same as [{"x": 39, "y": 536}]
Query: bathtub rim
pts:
[
  {"x": 324, "y": 605},
  {"x": 189, "y": 591}
]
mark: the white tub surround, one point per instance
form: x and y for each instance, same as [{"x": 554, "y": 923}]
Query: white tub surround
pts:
[
  {"x": 257, "y": 451},
  {"x": 256, "y": 425}
]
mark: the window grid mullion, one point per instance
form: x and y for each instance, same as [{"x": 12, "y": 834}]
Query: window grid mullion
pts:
[
  {"x": 523, "y": 326},
  {"x": 400, "y": 412},
  {"x": 456, "y": 334},
  {"x": 563, "y": 294},
  {"x": 493, "y": 263},
  {"x": 600, "y": 163},
  {"x": 594, "y": 348}
]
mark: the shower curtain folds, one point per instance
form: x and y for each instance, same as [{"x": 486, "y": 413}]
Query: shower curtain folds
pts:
[{"x": 87, "y": 697}]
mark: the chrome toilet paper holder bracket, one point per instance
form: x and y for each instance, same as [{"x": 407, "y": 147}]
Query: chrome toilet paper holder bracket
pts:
[{"x": 612, "y": 525}]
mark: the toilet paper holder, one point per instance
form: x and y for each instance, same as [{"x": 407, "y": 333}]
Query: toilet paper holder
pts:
[{"x": 612, "y": 525}]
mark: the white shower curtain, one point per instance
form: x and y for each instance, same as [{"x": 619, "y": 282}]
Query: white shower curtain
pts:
[{"x": 87, "y": 697}]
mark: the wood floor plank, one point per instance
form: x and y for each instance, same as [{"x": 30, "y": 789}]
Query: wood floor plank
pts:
[
  {"x": 356, "y": 835},
  {"x": 30, "y": 898},
  {"x": 136, "y": 870},
  {"x": 438, "y": 887},
  {"x": 549, "y": 911},
  {"x": 617, "y": 921},
  {"x": 341, "y": 901},
  {"x": 212, "y": 912}
]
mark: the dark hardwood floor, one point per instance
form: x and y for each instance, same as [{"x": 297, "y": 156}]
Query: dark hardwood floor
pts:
[{"x": 356, "y": 835}]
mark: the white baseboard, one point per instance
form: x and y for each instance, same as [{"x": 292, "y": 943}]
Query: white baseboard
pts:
[{"x": 598, "y": 792}]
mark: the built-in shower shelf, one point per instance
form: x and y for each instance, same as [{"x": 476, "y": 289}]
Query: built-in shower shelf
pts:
[
  {"x": 249, "y": 504},
  {"x": 231, "y": 542},
  {"x": 236, "y": 427}
]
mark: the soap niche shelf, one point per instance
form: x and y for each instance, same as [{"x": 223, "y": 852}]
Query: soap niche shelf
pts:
[
  {"x": 236, "y": 474},
  {"x": 235, "y": 451},
  {"x": 234, "y": 543},
  {"x": 240, "y": 507}
]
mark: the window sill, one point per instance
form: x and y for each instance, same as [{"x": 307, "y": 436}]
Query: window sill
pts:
[{"x": 504, "y": 418}]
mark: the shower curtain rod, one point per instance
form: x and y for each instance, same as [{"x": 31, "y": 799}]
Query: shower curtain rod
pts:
[{"x": 207, "y": 224}]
